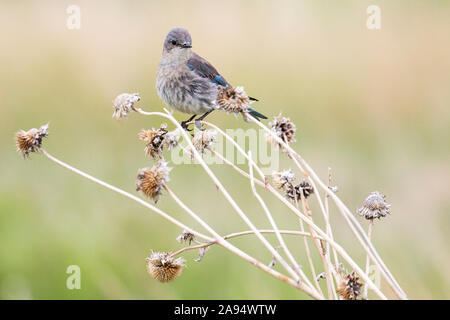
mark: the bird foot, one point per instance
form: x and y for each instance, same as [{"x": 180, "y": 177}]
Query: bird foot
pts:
[{"x": 185, "y": 125}]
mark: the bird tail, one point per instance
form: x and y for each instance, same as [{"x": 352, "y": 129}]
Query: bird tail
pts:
[{"x": 256, "y": 114}]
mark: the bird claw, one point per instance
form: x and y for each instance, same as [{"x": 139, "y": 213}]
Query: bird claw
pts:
[{"x": 185, "y": 125}]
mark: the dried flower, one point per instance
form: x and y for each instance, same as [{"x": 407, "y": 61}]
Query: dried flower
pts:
[
  {"x": 234, "y": 100},
  {"x": 280, "y": 179},
  {"x": 163, "y": 267},
  {"x": 374, "y": 206},
  {"x": 151, "y": 181},
  {"x": 350, "y": 287},
  {"x": 294, "y": 193},
  {"x": 124, "y": 104},
  {"x": 171, "y": 138},
  {"x": 31, "y": 140},
  {"x": 204, "y": 140},
  {"x": 283, "y": 128},
  {"x": 154, "y": 141},
  {"x": 186, "y": 236}
]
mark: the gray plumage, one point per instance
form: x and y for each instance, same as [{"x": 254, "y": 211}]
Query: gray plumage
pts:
[{"x": 185, "y": 81}]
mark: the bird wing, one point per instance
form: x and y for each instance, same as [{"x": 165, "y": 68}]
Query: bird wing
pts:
[{"x": 205, "y": 70}]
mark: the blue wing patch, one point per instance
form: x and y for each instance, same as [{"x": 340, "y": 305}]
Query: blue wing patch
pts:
[{"x": 205, "y": 70}]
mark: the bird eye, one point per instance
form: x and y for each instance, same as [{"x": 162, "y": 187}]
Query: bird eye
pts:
[{"x": 174, "y": 42}]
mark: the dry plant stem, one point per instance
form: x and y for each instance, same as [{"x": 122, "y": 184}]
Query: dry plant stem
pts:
[
  {"x": 242, "y": 172},
  {"x": 308, "y": 256},
  {"x": 338, "y": 248},
  {"x": 345, "y": 212},
  {"x": 239, "y": 234},
  {"x": 297, "y": 212},
  {"x": 238, "y": 147},
  {"x": 269, "y": 188},
  {"x": 369, "y": 235},
  {"x": 327, "y": 209},
  {"x": 182, "y": 226},
  {"x": 220, "y": 239},
  {"x": 219, "y": 185},
  {"x": 128, "y": 195},
  {"x": 274, "y": 226},
  {"x": 222, "y": 242},
  {"x": 323, "y": 256}
]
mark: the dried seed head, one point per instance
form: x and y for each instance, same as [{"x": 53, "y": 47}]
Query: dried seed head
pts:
[
  {"x": 350, "y": 287},
  {"x": 280, "y": 179},
  {"x": 374, "y": 206},
  {"x": 204, "y": 140},
  {"x": 31, "y": 140},
  {"x": 234, "y": 100},
  {"x": 151, "y": 181},
  {"x": 171, "y": 139},
  {"x": 186, "y": 236},
  {"x": 154, "y": 141},
  {"x": 124, "y": 104},
  {"x": 283, "y": 128},
  {"x": 163, "y": 267},
  {"x": 294, "y": 193}
]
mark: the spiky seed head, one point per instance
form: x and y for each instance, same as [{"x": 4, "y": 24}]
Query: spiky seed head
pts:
[
  {"x": 151, "y": 181},
  {"x": 154, "y": 141},
  {"x": 350, "y": 287},
  {"x": 280, "y": 179},
  {"x": 375, "y": 206},
  {"x": 234, "y": 100},
  {"x": 283, "y": 128},
  {"x": 124, "y": 104},
  {"x": 31, "y": 140},
  {"x": 204, "y": 140},
  {"x": 171, "y": 139},
  {"x": 294, "y": 193},
  {"x": 163, "y": 267},
  {"x": 186, "y": 236}
]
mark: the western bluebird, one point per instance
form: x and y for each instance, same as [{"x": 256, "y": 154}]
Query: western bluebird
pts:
[{"x": 188, "y": 83}]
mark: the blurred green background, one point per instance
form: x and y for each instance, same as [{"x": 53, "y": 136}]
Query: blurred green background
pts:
[{"x": 371, "y": 104}]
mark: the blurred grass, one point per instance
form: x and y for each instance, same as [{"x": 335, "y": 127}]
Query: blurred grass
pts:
[{"x": 373, "y": 105}]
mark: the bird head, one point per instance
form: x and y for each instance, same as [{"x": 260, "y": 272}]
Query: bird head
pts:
[{"x": 178, "y": 39}]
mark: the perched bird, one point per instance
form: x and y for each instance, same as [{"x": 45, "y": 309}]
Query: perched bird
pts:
[{"x": 188, "y": 83}]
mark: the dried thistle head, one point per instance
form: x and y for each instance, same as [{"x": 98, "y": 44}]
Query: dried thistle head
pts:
[
  {"x": 283, "y": 128},
  {"x": 31, "y": 140},
  {"x": 294, "y": 193},
  {"x": 163, "y": 267},
  {"x": 154, "y": 141},
  {"x": 151, "y": 181},
  {"x": 234, "y": 100},
  {"x": 204, "y": 140},
  {"x": 124, "y": 104},
  {"x": 280, "y": 179},
  {"x": 186, "y": 236},
  {"x": 350, "y": 287},
  {"x": 375, "y": 206},
  {"x": 171, "y": 139}
]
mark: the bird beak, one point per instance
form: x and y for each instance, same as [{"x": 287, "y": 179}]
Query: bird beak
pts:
[{"x": 186, "y": 45}]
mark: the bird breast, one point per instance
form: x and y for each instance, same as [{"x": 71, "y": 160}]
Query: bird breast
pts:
[{"x": 183, "y": 90}]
